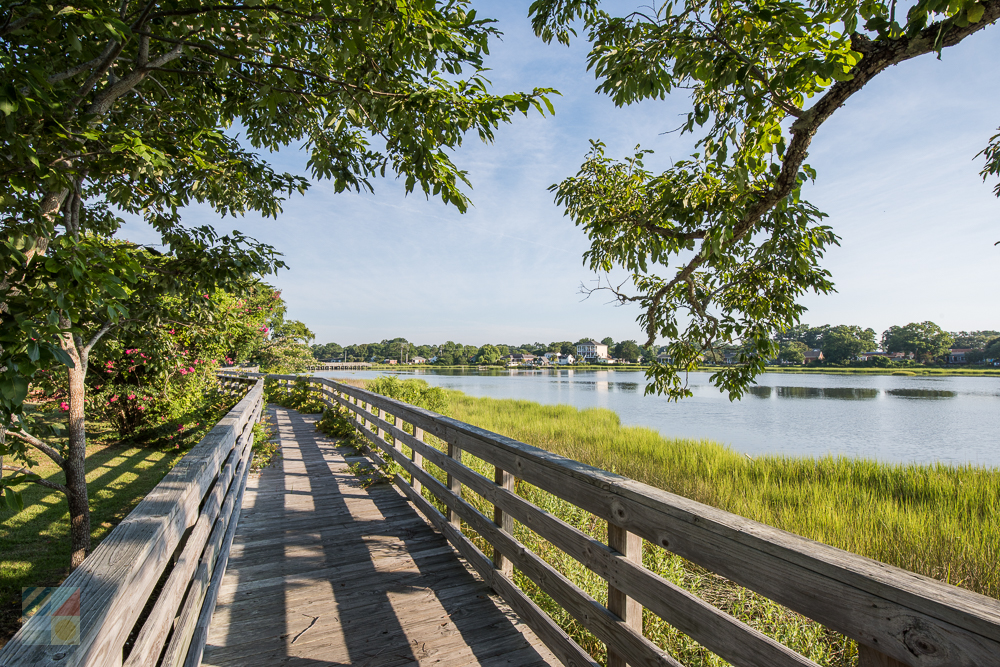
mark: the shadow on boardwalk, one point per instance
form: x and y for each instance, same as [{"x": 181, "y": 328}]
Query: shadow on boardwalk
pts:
[{"x": 323, "y": 572}]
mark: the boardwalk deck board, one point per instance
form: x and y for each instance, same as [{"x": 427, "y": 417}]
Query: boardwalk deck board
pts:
[{"x": 323, "y": 572}]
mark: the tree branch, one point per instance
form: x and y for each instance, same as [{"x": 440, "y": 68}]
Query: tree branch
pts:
[
  {"x": 41, "y": 482},
  {"x": 105, "y": 328},
  {"x": 48, "y": 450}
]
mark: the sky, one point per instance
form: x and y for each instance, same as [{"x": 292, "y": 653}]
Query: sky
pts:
[{"x": 897, "y": 175}]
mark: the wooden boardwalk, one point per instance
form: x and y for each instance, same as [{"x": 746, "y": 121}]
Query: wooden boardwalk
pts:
[{"x": 323, "y": 572}]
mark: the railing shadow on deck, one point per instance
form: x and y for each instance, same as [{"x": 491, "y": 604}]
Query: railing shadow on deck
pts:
[
  {"x": 159, "y": 564},
  {"x": 897, "y": 617},
  {"x": 277, "y": 558}
]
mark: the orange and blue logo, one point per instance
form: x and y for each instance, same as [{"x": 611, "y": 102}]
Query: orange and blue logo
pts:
[{"x": 58, "y": 612}]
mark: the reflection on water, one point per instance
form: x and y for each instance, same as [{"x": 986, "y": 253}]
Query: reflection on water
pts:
[
  {"x": 921, "y": 393},
  {"x": 839, "y": 393},
  {"x": 864, "y": 416}
]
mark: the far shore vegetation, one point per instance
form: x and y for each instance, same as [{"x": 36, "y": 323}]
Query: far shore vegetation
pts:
[{"x": 941, "y": 521}]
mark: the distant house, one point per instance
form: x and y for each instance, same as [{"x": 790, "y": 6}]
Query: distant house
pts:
[
  {"x": 564, "y": 359},
  {"x": 391, "y": 362},
  {"x": 541, "y": 361},
  {"x": 417, "y": 360},
  {"x": 956, "y": 355},
  {"x": 733, "y": 356},
  {"x": 891, "y": 356},
  {"x": 812, "y": 355},
  {"x": 553, "y": 357},
  {"x": 520, "y": 359},
  {"x": 591, "y": 350}
]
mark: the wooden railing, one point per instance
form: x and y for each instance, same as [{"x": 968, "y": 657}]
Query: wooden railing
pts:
[
  {"x": 187, "y": 521},
  {"x": 897, "y": 617}
]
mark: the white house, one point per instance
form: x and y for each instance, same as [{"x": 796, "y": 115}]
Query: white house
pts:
[
  {"x": 566, "y": 359},
  {"x": 591, "y": 350},
  {"x": 417, "y": 360}
]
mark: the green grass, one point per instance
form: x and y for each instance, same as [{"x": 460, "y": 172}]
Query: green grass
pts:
[{"x": 937, "y": 520}]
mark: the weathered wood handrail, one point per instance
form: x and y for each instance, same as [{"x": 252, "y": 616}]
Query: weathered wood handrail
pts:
[
  {"x": 897, "y": 617},
  {"x": 198, "y": 499}
]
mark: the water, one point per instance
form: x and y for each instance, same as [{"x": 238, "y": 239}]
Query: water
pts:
[{"x": 890, "y": 418}]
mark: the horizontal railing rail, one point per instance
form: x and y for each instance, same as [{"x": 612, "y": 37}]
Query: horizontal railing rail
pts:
[
  {"x": 897, "y": 617},
  {"x": 187, "y": 521}
]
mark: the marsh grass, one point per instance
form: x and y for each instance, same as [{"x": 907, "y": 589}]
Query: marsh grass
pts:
[{"x": 940, "y": 521}]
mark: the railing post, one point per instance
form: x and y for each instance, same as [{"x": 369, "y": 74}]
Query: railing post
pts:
[
  {"x": 455, "y": 485},
  {"x": 382, "y": 416},
  {"x": 869, "y": 657},
  {"x": 629, "y": 545},
  {"x": 505, "y": 521},
  {"x": 417, "y": 457}
]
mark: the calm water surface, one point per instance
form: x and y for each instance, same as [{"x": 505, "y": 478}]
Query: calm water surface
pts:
[{"x": 889, "y": 418}]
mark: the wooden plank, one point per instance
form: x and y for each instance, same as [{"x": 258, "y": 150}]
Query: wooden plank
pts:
[
  {"x": 399, "y": 571},
  {"x": 503, "y": 520},
  {"x": 869, "y": 657},
  {"x": 417, "y": 457},
  {"x": 619, "y": 603},
  {"x": 118, "y": 577},
  {"x": 177, "y": 648},
  {"x": 197, "y": 643},
  {"x": 554, "y": 637},
  {"x": 455, "y": 485},
  {"x": 595, "y": 617},
  {"x": 149, "y": 643}
]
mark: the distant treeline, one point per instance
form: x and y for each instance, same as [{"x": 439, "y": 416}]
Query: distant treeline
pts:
[
  {"x": 926, "y": 341},
  {"x": 839, "y": 343},
  {"x": 451, "y": 353}
]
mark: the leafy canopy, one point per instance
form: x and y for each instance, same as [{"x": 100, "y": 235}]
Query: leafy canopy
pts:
[{"x": 722, "y": 245}]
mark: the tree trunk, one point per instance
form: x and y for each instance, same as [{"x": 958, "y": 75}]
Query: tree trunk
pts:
[{"x": 76, "y": 456}]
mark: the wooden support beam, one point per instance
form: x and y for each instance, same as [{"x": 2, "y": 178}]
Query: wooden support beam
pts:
[
  {"x": 503, "y": 520},
  {"x": 629, "y": 545},
  {"x": 455, "y": 486}
]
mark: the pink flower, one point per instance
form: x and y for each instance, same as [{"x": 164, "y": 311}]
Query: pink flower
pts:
[
  {"x": 64, "y": 406},
  {"x": 171, "y": 332},
  {"x": 113, "y": 399},
  {"x": 142, "y": 407},
  {"x": 131, "y": 397},
  {"x": 180, "y": 427},
  {"x": 191, "y": 370},
  {"x": 263, "y": 329},
  {"x": 184, "y": 371},
  {"x": 205, "y": 295}
]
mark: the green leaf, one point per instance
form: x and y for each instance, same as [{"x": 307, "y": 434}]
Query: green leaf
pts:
[{"x": 13, "y": 499}]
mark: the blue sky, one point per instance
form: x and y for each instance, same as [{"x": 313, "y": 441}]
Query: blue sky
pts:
[{"x": 895, "y": 168}]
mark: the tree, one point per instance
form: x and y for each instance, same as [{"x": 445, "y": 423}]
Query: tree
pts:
[
  {"x": 609, "y": 341},
  {"x": 722, "y": 245},
  {"x": 124, "y": 107},
  {"x": 628, "y": 350},
  {"x": 60, "y": 306},
  {"x": 489, "y": 354},
  {"x": 974, "y": 340},
  {"x": 925, "y": 340},
  {"x": 793, "y": 352},
  {"x": 286, "y": 342},
  {"x": 327, "y": 351},
  {"x": 844, "y": 342}
]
